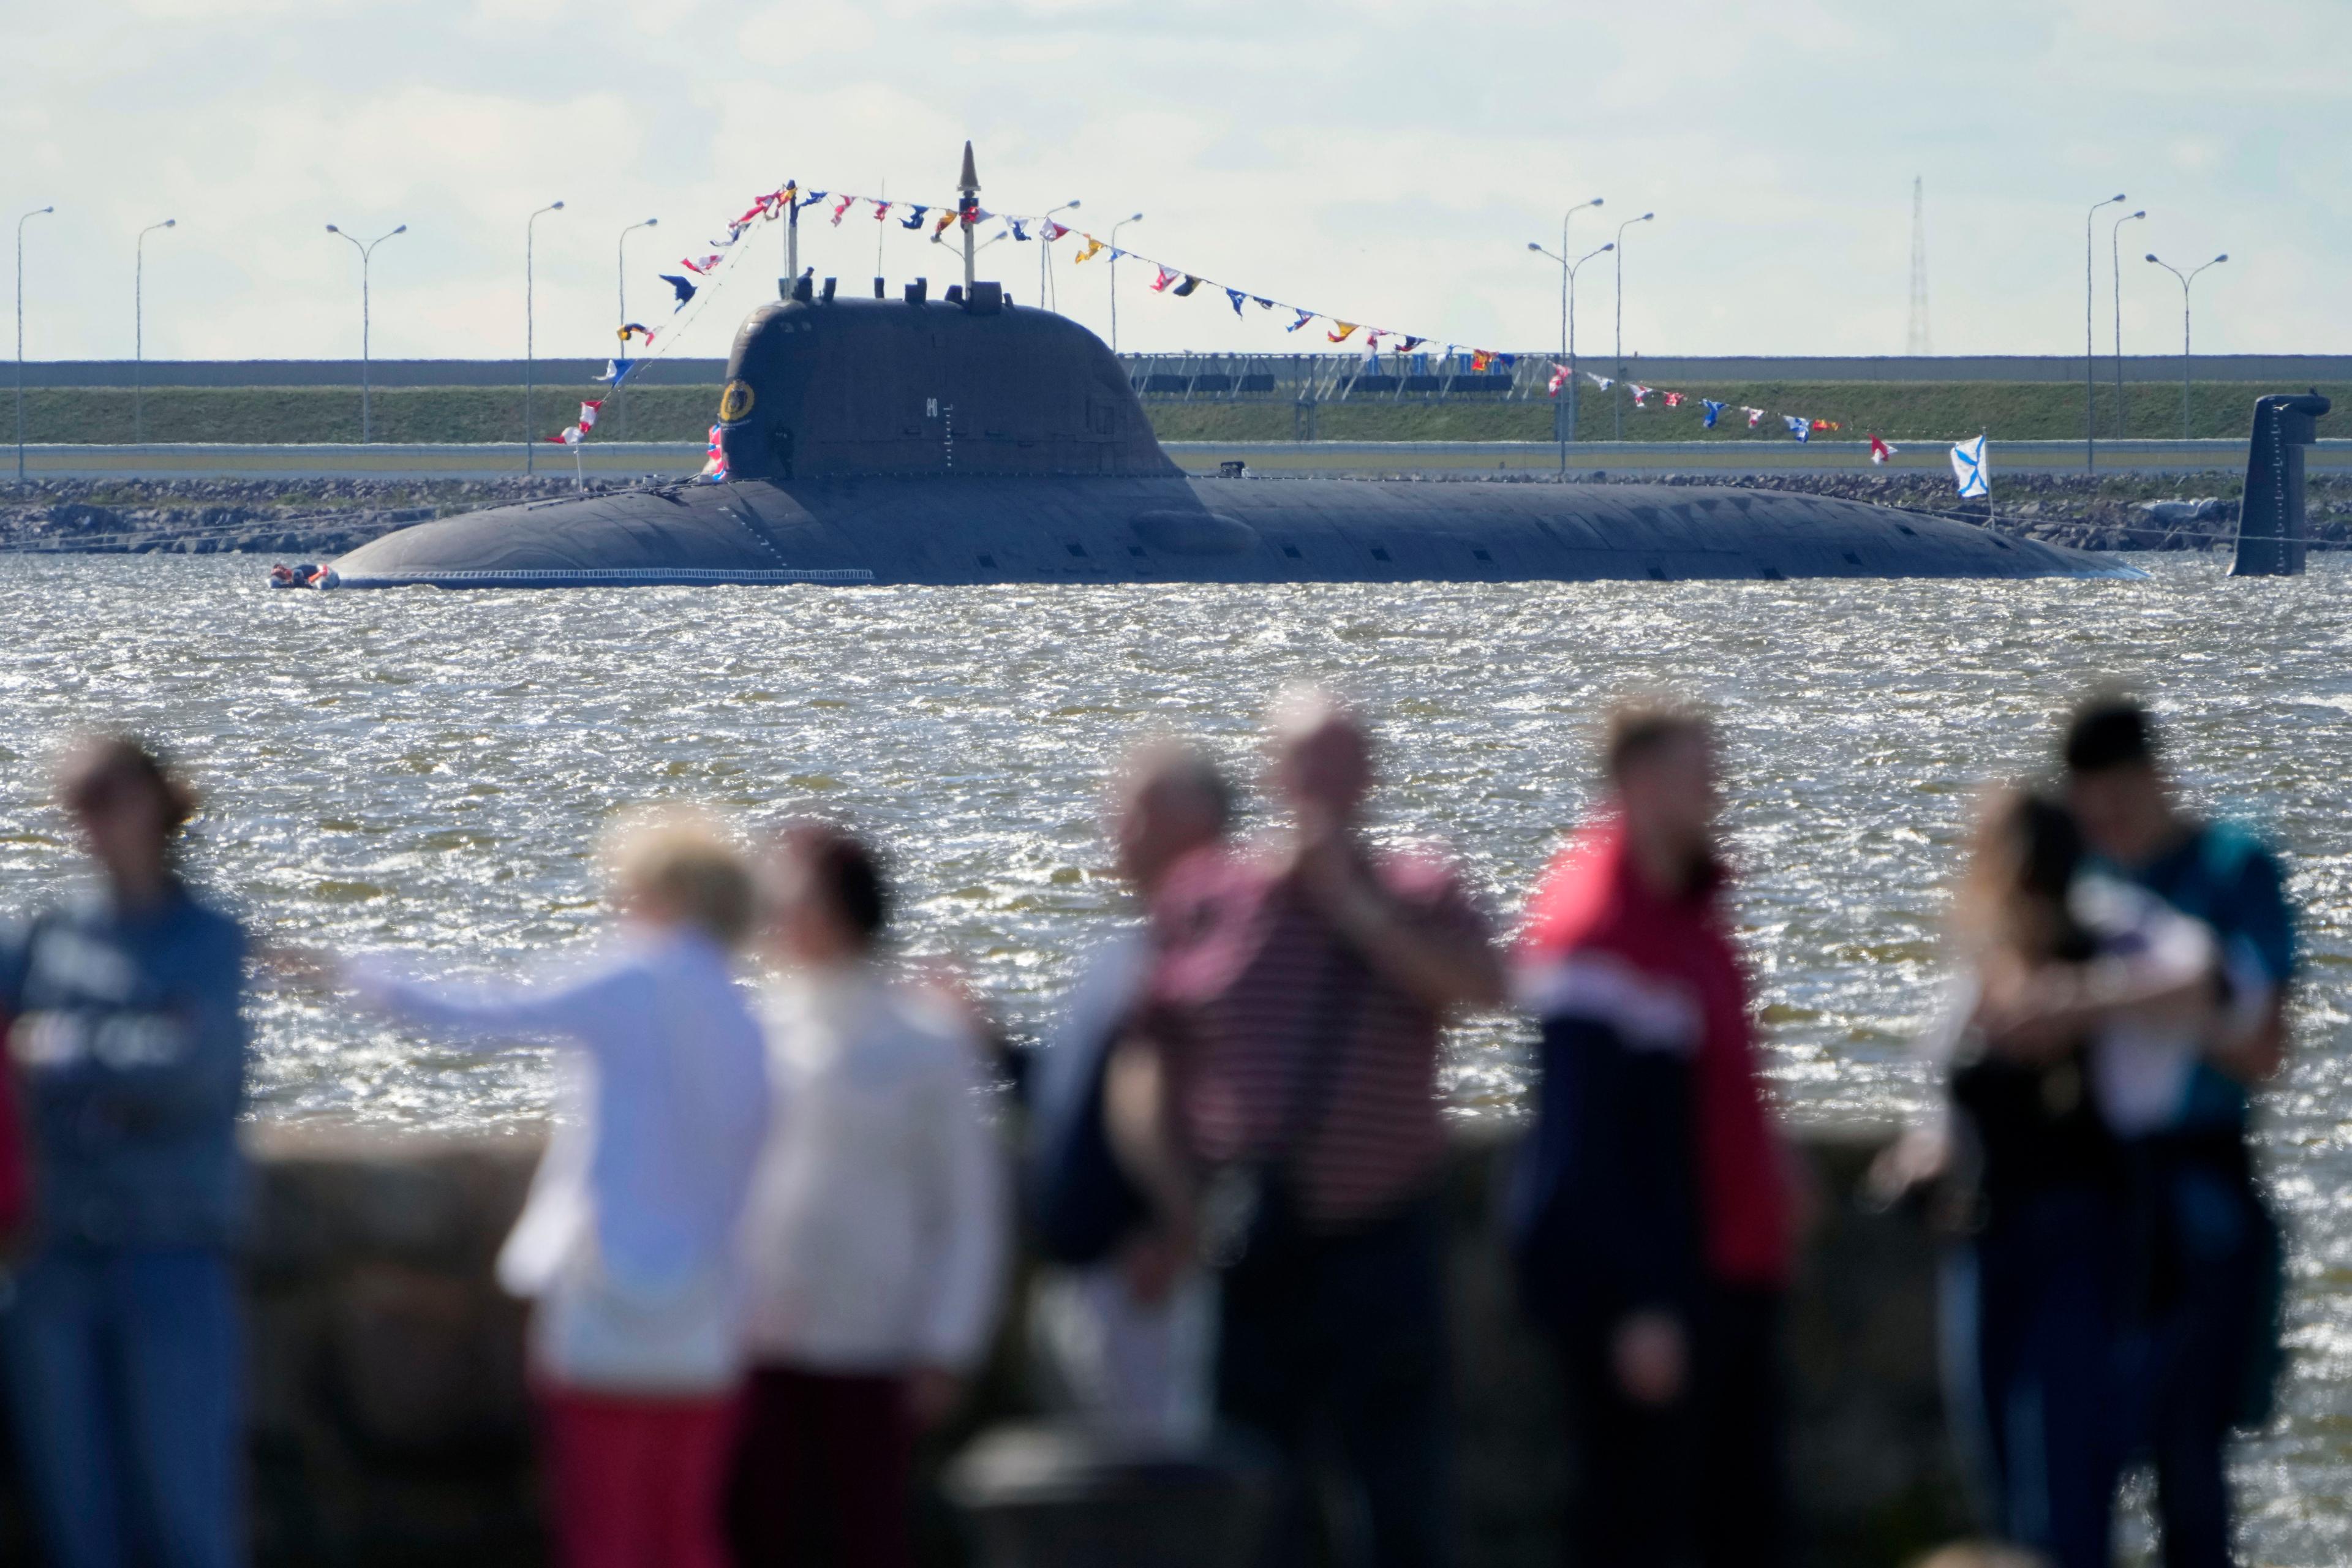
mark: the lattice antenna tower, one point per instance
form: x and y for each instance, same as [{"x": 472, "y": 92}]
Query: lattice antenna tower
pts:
[{"x": 1917, "y": 341}]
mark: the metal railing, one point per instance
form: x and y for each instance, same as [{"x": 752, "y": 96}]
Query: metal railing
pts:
[{"x": 1418, "y": 377}]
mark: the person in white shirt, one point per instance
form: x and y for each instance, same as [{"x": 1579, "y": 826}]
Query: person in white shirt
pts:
[
  {"x": 628, "y": 1242},
  {"x": 1125, "y": 1327},
  {"x": 878, "y": 1231}
]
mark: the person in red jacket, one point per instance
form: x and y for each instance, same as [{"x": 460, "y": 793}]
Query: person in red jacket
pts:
[{"x": 1651, "y": 1213}]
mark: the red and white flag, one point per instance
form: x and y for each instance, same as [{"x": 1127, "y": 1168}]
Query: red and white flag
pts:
[
  {"x": 1755, "y": 416},
  {"x": 704, "y": 266},
  {"x": 1638, "y": 392},
  {"x": 840, "y": 207},
  {"x": 1160, "y": 284},
  {"x": 588, "y": 415},
  {"x": 1880, "y": 451},
  {"x": 1559, "y": 378},
  {"x": 1673, "y": 400}
]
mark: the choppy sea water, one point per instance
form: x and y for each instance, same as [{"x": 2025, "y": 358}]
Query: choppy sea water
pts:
[{"x": 428, "y": 771}]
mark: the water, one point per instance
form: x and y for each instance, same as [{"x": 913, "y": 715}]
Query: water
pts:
[{"x": 426, "y": 771}]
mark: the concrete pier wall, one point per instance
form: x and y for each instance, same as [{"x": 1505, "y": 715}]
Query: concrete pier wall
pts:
[{"x": 390, "y": 1419}]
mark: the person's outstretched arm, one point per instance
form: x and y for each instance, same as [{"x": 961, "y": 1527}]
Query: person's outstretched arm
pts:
[{"x": 586, "y": 1009}]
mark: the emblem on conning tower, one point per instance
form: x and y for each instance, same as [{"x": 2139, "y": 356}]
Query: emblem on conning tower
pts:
[{"x": 735, "y": 402}]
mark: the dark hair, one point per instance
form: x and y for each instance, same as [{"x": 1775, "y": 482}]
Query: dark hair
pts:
[
  {"x": 2049, "y": 849},
  {"x": 847, "y": 870},
  {"x": 2110, "y": 732},
  {"x": 100, "y": 760},
  {"x": 1639, "y": 727}
]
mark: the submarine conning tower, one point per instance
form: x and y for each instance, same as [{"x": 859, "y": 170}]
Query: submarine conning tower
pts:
[{"x": 820, "y": 386}]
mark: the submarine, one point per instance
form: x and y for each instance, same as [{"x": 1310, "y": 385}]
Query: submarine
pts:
[{"x": 965, "y": 440}]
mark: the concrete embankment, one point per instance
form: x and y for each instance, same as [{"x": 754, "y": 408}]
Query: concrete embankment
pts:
[
  {"x": 390, "y": 1425},
  {"x": 315, "y": 518}
]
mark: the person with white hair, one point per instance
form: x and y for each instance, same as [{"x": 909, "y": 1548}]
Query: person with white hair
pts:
[{"x": 628, "y": 1244}]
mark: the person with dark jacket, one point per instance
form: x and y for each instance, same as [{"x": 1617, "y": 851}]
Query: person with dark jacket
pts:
[
  {"x": 1121, "y": 1314},
  {"x": 1651, "y": 1215},
  {"x": 122, "y": 1346},
  {"x": 2203, "y": 1280}
]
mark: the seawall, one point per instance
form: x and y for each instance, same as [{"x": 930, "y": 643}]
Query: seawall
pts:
[{"x": 389, "y": 1421}]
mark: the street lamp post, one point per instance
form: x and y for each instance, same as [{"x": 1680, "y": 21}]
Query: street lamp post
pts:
[
  {"x": 1045, "y": 256},
  {"x": 1114, "y": 276},
  {"x": 21, "y": 222},
  {"x": 529, "y": 341},
  {"x": 1568, "y": 270},
  {"x": 367, "y": 373},
  {"x": 1565, "y": 334},
  {"x": 2116, "y": 262},
  {"x": 2090, "y": 408},
  {"x": 2185, "y": 279},
  {"x": 139, "y": 330},
  {"x": 1617, "y": 393},
  {"x": 621, "y": 297}
]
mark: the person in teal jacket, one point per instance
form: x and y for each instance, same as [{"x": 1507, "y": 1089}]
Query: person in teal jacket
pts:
[
  {"x": 119, "y": 1340},
  {"x": 2203, "y": 1272}
]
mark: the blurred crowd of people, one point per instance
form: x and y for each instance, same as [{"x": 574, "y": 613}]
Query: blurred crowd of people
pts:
[{"x": 770, "y": 1238}]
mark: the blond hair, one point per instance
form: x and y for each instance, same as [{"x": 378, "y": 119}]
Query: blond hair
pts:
[{"x": 688, "y": 863}]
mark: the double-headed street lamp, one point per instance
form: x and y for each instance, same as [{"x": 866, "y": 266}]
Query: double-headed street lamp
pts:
[
  {"x": 1617, "y": 393},
  {"x": 367, "y": 388},
  {"x": 1045, "y": 254},
  {"x": 2185, "y": 279},
  {"x": 530, "y": 344},
  {"x": 621, "y": 293},
  {"x": 1567, "y": 269},
  {"x": 2116, "y": 262},
  {"x": 21, "y": 222},
  {"x": 139, "y": 330},
  {"x": 1114, "y": 276},
  {"x": 1561, "y": 256},
  {"x": 2090, "y": 409}
]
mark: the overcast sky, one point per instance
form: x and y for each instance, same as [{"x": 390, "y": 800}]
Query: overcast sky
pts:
[{"x": 1381, "y": 160}]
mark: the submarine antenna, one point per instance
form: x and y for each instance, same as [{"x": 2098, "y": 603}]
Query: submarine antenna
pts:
[{"x": 970, "y": 186}]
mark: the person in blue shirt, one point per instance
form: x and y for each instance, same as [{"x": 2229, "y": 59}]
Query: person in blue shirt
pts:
[
  {"x": 120, "y": 1339},
  {"x": 2204, "y": 1275}
]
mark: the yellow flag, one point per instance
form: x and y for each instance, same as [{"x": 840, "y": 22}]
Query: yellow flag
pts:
[
  {"x": 1346, "y": 330},
  {"x": 1092, "y": 247}
]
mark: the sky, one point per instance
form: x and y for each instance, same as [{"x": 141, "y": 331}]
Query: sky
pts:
[{"x": 1381, "y": 161}]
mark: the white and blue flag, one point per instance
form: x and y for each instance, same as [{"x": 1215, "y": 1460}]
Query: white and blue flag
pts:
[
  {"x": 1713, "y": 409},
  {"x": 1798, "y": 426},
  {"x": 1970, "y": 467}
]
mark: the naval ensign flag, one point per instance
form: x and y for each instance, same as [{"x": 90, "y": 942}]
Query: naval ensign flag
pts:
[{"x": 1969, "y": 466}]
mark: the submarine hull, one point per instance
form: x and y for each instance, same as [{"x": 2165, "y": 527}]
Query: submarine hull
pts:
[
  {"x": 1171, "y": 528},
  {"x": 963, "y": 441}
]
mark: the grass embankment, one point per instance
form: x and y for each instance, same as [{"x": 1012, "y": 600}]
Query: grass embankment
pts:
[{"x": 2010, "y": 411}]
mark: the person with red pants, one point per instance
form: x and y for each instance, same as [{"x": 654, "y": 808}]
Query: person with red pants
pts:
[
  {"x": 628, "y": 1244},
  {"x": 1650, "y": 1212}
]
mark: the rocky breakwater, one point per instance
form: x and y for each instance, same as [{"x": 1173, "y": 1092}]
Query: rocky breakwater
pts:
[
  {"x": 390, "y": 1418},
  {"x": 311, "y": 518}
]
